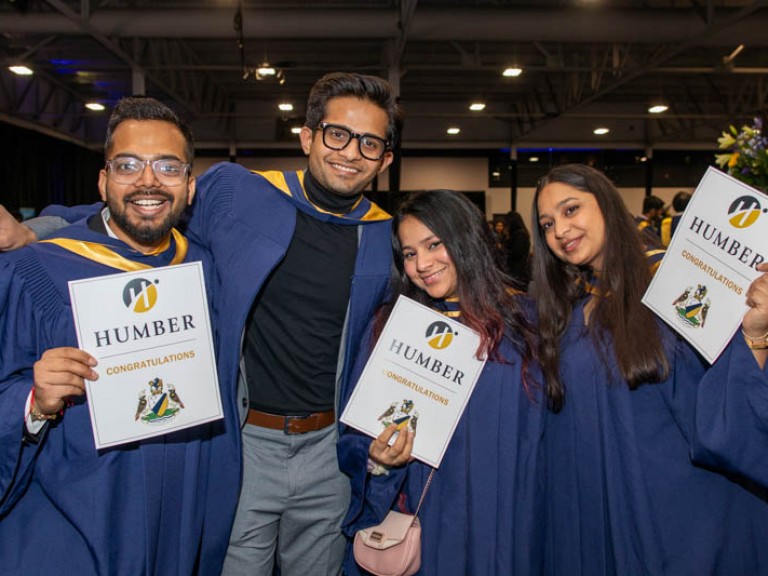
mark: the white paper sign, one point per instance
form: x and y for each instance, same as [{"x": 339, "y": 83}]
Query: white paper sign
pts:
[
  {"x": 420, "y": 375},
  {"x": 151, "y": 334},
  {"x": 700, "y": 287}
]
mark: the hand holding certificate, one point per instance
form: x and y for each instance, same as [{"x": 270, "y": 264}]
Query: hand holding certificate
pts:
[
  {"x": 419, "y": 377},
  {"x": 151, "y": 335},
  {"x": 700, "y": 287}
]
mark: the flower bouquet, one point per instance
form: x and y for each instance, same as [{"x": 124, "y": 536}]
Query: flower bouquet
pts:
[{"x": 746, "y": 158}]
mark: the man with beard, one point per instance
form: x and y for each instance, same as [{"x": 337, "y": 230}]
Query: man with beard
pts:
[{"x": 143, "y": 507}]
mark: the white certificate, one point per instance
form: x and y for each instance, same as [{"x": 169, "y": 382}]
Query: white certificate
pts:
[
  {"x": 700, "y": 287},
  {"x": 419, "y": 376},
  {"x": 151, "y": 334}
]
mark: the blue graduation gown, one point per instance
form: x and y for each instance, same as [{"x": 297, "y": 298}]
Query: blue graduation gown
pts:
[
  {"x": 483, "y": 511},
  {"x": 247, "y": 220},
  {"x": 65, "y": 507},
  {"x": 623, "y": 496},
  {"x": 732, "y": 415}
]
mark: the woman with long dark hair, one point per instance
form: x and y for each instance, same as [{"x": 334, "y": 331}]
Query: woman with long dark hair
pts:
[
  {"x": 481, "y": 513},
  {"x": 623, "y": 496}
]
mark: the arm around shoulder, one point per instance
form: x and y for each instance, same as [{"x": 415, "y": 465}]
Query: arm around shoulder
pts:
[{"x": 13, "y": 234}]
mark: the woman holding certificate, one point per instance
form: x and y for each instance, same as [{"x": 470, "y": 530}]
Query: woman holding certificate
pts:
[
  {"x": 481, "y": 513},
  {"x": 623, "y": 495}
]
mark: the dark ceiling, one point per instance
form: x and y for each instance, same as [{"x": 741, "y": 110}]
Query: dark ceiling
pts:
[{"x": 586, "y": 63}]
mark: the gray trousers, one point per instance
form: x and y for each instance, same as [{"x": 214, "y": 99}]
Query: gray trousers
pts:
[{"x": 292, "y": 502}]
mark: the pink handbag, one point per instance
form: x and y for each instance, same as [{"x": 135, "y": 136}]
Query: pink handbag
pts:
[{"x": 392, "y": 548}]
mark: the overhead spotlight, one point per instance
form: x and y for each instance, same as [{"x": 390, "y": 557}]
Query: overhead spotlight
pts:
[
  {"x": 296, "y": 130},
  {"x": 21, "y": 70},
  {"x": 658, "y": 108},
  {"x": 533, "y": 159},
  {"x": 95, "y": 106},
  {"x": 285, "y": 106},
  {"x": 512, "y": 72},
  {"x": 477, "y": 106},
  {"x": 600, "y": 131},
  {"x": 264, "y": 70},
  {"x": 453, "y": 130}
]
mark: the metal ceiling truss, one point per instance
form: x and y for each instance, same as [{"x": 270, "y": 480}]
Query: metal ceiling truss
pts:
[{"x": 580, "y": 65}]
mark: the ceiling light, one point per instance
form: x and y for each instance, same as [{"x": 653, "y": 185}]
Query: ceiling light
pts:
[
  {"x": 296, "y": 130},
  {"x": 512, "y": 72},
  {"x": 95, "y": 106},
  {"x": 533, "y": 159},
  {"x": 20, "y": 70},
  {"x": 601, "y": 131},
  {"x": 477, "y": 106},
  {"x": 658, "y": 108},
  {"x": 285, "y": 106},
  {"x": 453, "y": 130},
  {"x": 265, "y": 69}
]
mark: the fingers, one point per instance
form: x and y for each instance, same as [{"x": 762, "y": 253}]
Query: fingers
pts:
[
  {"x": 13, "y": 234},
  {"x": 59, "y": 374},
  {"x": 392, "y": 453},
  {"x": 757, "y": 293}
]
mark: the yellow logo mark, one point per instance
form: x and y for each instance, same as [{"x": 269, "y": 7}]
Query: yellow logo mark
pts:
[
  {"x": 744, "y": 211},
  {"x": 439, "y": 335},
  {"x": 140, "y": 295}
]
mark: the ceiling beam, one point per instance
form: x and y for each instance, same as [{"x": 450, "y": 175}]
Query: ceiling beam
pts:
[{"x": 647, "y": 26}]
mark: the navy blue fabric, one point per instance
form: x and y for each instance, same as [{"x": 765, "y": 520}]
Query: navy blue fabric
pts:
[
  {"x": 732, "y": 415},
  {"x": 483, "y": 513},
  {"x": 64, "y": 507},
  {"x": 248, "y": 223},
  {"x": 623, "y": 496}
]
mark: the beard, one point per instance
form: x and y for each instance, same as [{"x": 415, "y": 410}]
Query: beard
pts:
[{"x": 148, "y": 232}]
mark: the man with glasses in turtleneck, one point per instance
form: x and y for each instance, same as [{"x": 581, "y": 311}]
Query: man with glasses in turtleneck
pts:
[{"x": 301, "y": 259}]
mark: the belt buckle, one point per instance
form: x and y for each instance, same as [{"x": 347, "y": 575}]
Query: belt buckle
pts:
[{"x": 287, "y": 424}]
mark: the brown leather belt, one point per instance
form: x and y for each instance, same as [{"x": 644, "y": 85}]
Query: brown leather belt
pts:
[{"x": 292, "y": 424}]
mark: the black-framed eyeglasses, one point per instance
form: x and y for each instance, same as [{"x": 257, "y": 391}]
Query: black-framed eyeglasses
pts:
[
  {"x": 338, "y": 137},
  {"x": 128, "y": 169}
]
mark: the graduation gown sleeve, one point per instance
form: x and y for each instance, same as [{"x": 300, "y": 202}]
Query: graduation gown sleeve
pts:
[{"x": 731, "y": 428}]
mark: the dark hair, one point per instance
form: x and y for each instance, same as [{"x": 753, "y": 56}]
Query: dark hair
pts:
[
  {"x": 680, "y": 201},
  {"x": 652, "y": 203},
  {"x": 486, "y": 301},
  {"x": 618, "y": 316},
  {"x": 371, "y": 88},
  {"x": 146, "y": 108},
  {"x": 514, "y": 221}
]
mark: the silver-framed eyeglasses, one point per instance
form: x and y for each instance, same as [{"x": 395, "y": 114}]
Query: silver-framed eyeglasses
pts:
[
  {"x": 338, "y": 137},
  {"x": 128, "y": 169}
]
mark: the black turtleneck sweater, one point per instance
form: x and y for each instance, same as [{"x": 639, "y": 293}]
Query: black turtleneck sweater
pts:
[{"x": 293, "y": 332}]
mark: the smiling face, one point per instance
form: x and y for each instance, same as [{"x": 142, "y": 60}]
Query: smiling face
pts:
[
  {"x": 143, "y": 213},
  {"x": 426, "y": 260},
  {"x": 345, "y": 172},
  {"x": 573, "y": 224}
]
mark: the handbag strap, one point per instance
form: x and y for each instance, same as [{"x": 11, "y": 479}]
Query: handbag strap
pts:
[{"x": 424, "y": 492}]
